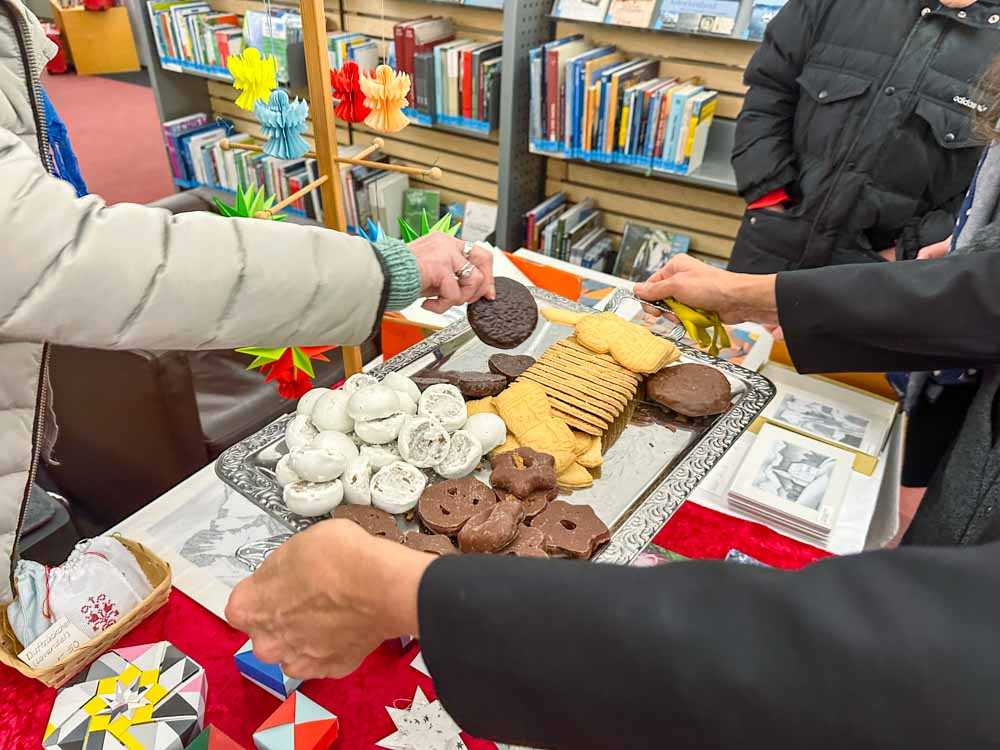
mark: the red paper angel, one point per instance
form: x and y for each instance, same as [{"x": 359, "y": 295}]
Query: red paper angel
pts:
[{"x": 347, "y": 89}]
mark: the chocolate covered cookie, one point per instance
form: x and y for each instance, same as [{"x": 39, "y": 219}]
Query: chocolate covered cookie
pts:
[
  {"x": 425, "y": 380},
  {"x": 534, "y": 503},
  {"x": 376, "y": 522},
  {"x": 436, "y": 544},
  {"x": 572, "y": 530},
  {"x": 491, "y": 530},
  {"x": 445, "y": 507},
  {"x": 690, "y": 389},
  {"x": 508, "y": 320},
  {"x": 523, "y": 472},
  {"x": 529, "y": 542},
  {"x": 476, "y": 385},
  {"x": 510, "y": 365}
]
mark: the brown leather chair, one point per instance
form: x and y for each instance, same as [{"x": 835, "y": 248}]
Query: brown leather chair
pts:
[{"x": 132, "y": 424}]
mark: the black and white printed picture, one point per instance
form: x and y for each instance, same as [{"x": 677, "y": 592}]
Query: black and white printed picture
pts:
[
  {"x": 823, "y": 420},
  {"x": 796, "y": 474}
]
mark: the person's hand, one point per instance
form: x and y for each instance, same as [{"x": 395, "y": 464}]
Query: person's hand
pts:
[
  {"x": 325, "y": 599},
  {"x": 442, "y": 279},
  {"x": 735, "y": 297},
  {"x": 937, "y": 250}
]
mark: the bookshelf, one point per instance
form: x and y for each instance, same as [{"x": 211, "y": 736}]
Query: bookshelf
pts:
[{"x": 499, "y": 167}]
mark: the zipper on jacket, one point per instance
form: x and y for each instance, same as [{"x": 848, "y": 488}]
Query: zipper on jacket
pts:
[{"x": 26, "y": 47}]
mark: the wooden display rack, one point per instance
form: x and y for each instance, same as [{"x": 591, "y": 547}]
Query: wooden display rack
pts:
[
  {"x": 325, "y": 135},
  {"x": 99, "y": 41}
]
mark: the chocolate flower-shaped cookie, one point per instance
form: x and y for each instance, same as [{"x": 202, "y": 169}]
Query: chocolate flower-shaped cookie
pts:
[{"x": 523, "y": 472}]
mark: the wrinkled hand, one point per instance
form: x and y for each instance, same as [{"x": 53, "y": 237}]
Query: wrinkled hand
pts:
[
  {"x": 440, "y": 258},
  {"x": 735, "y": 297},
  {"x": 325, "y": 599},
  {"x": 937, "y": 250}
]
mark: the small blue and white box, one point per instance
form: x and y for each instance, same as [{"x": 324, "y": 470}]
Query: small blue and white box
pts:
[{"x": 267, "y": 676}]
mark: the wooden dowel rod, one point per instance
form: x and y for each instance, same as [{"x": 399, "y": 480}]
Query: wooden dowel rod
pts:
[
  {"x": 433, "y": 173},
  {"x": 376, "y": 144},
  {"x": 291, "y": 199},
  {"x": 397, "y": 318}
]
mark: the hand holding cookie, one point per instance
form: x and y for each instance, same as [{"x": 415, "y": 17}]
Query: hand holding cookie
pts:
[{"x": 452, "y": 273}]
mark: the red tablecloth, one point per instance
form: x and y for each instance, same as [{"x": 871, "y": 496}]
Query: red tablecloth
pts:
[{"x": 237, "y": 707}]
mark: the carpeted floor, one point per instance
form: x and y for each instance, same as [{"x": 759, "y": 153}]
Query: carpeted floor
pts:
[{"x": 115, "y": 132}]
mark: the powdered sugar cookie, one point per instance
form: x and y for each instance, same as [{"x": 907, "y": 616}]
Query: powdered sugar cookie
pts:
[{"x": 397, "y": 487}]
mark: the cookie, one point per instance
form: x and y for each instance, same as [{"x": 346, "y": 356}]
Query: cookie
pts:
[
  {"x": 357, "y": 481},
  {"x": 376, "y": 522},
  {"x": 330, "y": 412},
  {"x": 596, "y": 332},
  {"x": 464, "y": 455},
  {"x": 591, "y": 363},
  {"x": 578, "y": 424},
  {"x": 299, "y": 431},
  {"x": 423, "y": 382},
  {"x": 594, "y": 385},
  {"x": 435, "y": 544},
  {"x": 534, "y": 503},
  {"x": 446, "y": 403},
  {"x": 692, "y": 390},
  {"x": 551, "y": 436},
  {"x": 479, "y": 384},
  {"x": 336, "y": 441},
  {"x": 397, "y": 487},
  {"x": 640, "y": 350},
  {"x": 423, "y": 441},
  {"x": 402, "y": 384},
  {"x": 284, "y": 474},
  {"x": 581, "y": 442},
  {"x": 508, "y": 445},
  {"x": 522, "y": 472},
  {"x": 491, "y": 530},
  {"x": 380, "y": 456},
  {"x": 575, "y": 477},
  {"x": 317, "y": 464},
  {"x": 313, "y": 499},
  {"x": 509, "y": 319},
  {"x": 529, "y": 542},
  {"x": 482, "y": 406},
  {"x": 358, "y": 381},
  {"x": 488, "y": 429},
  {"x": 604, "y": 412},
  {"x": 591, "y": 458},
  {"x": 446, "y": 506},
  {"x": 522, "y": 405},
  {"x": 309, "y": 400},
  {"x": 509, "y": 365},
  {"x": 573, "y": 530},
  {"x": 562, "y": 317},
  {"x": 380, "y": 431}
]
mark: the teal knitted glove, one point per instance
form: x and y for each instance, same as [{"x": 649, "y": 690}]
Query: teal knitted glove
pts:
[{"x": 403, "y": 273}]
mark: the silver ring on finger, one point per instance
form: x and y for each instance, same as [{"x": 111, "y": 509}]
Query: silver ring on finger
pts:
[
  {"x": 467, "y": 249},
  {"x": 465, "y": 271}
]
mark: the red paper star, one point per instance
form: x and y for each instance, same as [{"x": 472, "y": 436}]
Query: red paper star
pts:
[
  {"x": 347, "y": 89},
  {"x": 292, "y": 371}
]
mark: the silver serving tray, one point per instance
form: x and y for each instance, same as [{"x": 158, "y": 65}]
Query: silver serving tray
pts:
[{"x": 647, "y": 474}]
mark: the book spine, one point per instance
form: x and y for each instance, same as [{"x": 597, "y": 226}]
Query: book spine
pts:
[
  {"x": 551, "y": 93},
  {"x": 408, "y": 52},
  {"x": 467, "y": 84},
  {"x": 397, "y": 41}
]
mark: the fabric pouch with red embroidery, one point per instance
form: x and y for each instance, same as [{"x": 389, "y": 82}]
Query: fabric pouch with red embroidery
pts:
[{"x": 99, "y": 583}]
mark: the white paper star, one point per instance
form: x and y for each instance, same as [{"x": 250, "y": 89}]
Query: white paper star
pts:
[
  {"x": 419, "y": 664},
  {"x": 424, "y": 725}
]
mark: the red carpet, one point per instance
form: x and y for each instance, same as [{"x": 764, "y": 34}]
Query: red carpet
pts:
[{"x": 115, "y": 132}]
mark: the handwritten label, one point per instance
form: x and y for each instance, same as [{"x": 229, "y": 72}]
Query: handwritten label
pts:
[{"x": 54, "y": 644}]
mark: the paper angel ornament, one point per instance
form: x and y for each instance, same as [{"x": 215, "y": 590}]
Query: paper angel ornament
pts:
[
  {"x": 283, "y": 121},
  {"x": 423, "y": 725},
  {"x": 347, "y": 91},
  {"x": 255, "y": 76},
  {"x": 385, "y": 94}
]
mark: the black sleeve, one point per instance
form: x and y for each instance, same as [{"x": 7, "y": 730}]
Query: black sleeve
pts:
[
  {"x": 910, "y": 315},
  {"x": 890, "y": 649},
  {"x": 764, "y": 155}
]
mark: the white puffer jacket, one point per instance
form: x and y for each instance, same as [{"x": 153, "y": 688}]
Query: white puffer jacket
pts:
[{"x": 76, "y": 272}]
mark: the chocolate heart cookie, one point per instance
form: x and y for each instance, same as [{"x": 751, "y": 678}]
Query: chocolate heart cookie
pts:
[
  {"x": 573, "y": 530},
  {"x": 523, "y": 472},
  {"x": 510, "y": 365},
  {"x": 691, "y": 390},
  {"x": 446, "y": 506},
  {"x": 491, "y": 530},
  {"x": 436, "y": 544},
  {"x": 376, "y": 522},
  {"x": 508, "y": 320},
  {"x": 474, "y": 385}
]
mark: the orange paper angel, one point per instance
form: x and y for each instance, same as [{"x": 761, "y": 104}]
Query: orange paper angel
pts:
[{"x": 385, "y": 93}]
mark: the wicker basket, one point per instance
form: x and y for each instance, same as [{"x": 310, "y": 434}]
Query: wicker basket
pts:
[{"x": 158, "y": 573}]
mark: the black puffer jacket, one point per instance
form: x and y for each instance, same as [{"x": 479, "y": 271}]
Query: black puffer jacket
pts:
[{"x": 862, "y": 109}]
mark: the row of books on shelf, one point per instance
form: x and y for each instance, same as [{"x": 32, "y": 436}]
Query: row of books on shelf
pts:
[
  {"x": 192, "y": 37},
  {"x": 599, "y": 105},
  {"x": 575, "y": 233},
  {"x": 455, "y": 82},
  {"x": 746, "y": 19}
]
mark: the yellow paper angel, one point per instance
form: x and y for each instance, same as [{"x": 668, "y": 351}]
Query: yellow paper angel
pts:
[
  {"x": 255, "y": 76},
  {"x": 385, "y": 94}
]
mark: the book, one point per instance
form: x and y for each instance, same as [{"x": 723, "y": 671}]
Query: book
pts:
[
  {"x": 479, "y": 221},
  {"x": 792, "y": 483},
  {"x": 172, "y": 130},
  {"x": 702, "y": 115},
  {"x": 537, "y": 214},
  {"x": 416, "y": 202},
  {"x": 760, "y": 16},
  {"x": 388, "y": 200},
  {"x": 634, "y": 13},
  {"x": 698, "y": 16},
  {"x": 644, "y": 249},
  {"x": 675, "y": 121},
  {"x": 557, "y": 53},
  {"x": 581, "y": 10}
]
